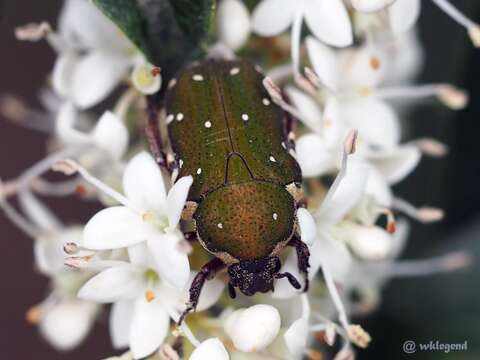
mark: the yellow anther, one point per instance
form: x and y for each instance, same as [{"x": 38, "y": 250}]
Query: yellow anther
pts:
[{"x": 149, "y": 295}]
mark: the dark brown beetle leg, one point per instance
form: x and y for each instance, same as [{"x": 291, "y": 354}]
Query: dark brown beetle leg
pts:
[
  {"x": 303, "y": 255},
  {"x": 152, "y": 132},
  {"x": 207, "y": 272},
  {"x": 191, "y": 236}
]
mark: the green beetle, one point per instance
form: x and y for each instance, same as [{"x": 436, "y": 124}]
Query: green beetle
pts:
[{"x": 226, "y": 131}]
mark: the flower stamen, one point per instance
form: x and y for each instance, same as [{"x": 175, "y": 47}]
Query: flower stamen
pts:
[{"x": 423, "y": 214}]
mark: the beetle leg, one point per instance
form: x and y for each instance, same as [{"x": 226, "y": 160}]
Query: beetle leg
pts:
[
  {"x": 303, "y": 255},
  {"x": 191, "y": 236},
  {"x": 231, "y": 291},
  {"x": 207, "y": 272},
  {"x": 152, "y": 132}
]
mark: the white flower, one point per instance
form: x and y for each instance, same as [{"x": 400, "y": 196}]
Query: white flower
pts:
[
  {"x": 233, "y": 23},
  {"x": 148, "y": 215},
  {"x": 146, "y": 78},
  {"x": 296, "y": 338},
  {"x": 371, "y": 5},
  {"x": 254, "y": 328},
  {"x": 210, "y": 349}
]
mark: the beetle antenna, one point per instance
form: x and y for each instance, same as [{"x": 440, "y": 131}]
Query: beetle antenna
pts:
[{"x": 291, "y": 279}]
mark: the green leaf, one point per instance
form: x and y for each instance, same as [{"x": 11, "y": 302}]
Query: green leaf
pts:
[{"x": 128, "y": 16}]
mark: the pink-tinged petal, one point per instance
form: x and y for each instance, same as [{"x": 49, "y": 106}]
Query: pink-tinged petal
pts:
[
  {"x": 233, "y": 23},
  {"x": 95, "y": 76},
  {"x": 115, "y": 227},
  {"x": 329, "y": 21},
  {"x": 378, "y": 187},
  {"x": 403, "y": 15},
  {"x": 67, "y": 323},
  {"x": 308, "y": 228},
  {"x": 63, "y": 72},
  {"x": 371, "y": 5},
  {"x": 396, "y": 163},
  {"x": 375, "y": 120},
  {"x": 324, "y": 62},
  {"x": 296, "y": 338},
  {"x": 150, "y": 324},
  {"x": 171, "y": 264},
  {"x": 119, "y": 323},
  {"x": 347, "y": 195},
  {"x": 176, "y": 199},
  {"x": 210, "y": 349},
  {"x": 113, "y": 284},
  {"x": 143, "y": 184},
  {"x": 310, "y": 110},
  {"x": 313, "y": 155},
  {"x": 111, "y": 135},
  {"x": 272, "y": 17}
]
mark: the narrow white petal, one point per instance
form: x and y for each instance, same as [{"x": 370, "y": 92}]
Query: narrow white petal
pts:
[
  {"x": 272, "y": 17},
  {"x": 119, "y": 323},
  {"x": 395, "y": 164},
  {"x": 176, "y": 199},
  {"x": 403, "y": 15},
  {"x": 63, "y": 72},
  {"x": 143, "y": 183},
  {"x": 111, "y": 134},
  {"x": 211, "y": 292},
  {"x": 312, "y": 116},
  {"x": 149, "y": 327},
  {"x": 363, "y": 68},
  {"x": 296, "y": 338},
  {"x": 171, "y": 264},
  {"x": 378, "y": 186},
  {"x": 114, "y": 228},
  {"x": 210, "y": 349},
  {"x": 371, "y": 5},
  {"x": 324, "y": 61},
  {"x": 329, "y": 21},
  {"x": 113, "y": 284},
  {"x": 65, "y": 126},
  {"x": 347, "y": 195},
  {"x": 233, "y": 23},
  {"x": 37, "y": 212},
  {"x": 313, "y": 155},
  {"x": 95, "y": 76},
  {"x": 139, "y": 255},
  {"x": 67, "y": 323},
  {"x": 400, "y": 238},
  {"x": 307, "y": 225}
]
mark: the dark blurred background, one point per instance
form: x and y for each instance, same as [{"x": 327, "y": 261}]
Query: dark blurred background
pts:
[{"x": 443, "y": 307}]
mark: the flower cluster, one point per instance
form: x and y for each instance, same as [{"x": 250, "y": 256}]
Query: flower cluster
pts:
[{"x": 338, "y": 72}]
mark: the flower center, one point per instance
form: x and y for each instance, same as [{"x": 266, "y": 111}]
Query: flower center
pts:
[{"x": 160, "y": 222}]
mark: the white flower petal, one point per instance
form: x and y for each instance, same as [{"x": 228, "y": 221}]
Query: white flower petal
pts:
[
  {"x": 38, "y": 213},
  {"x": 144, "y": 80},
  {"x": 296, "y": 338},
  {"x": 233, "y": 23},
  {"x": 313, "y": 155},
  {"x": 329, "y": 21},
  {"x": 111, "y": 135},
  {"x": 272, "y": 17},
  {"x": 150, "y": 323},
  {"x": 171, "y": 264},
  {"x": 63, "y": 72},
  {"x": 114, "y": 228},
  {"x": 400, "y": 238},
  {"x": 378, "y": 187},
  {"x": 362, "y": 68},
  {"x": 143, "y": 184},
  {"x": 307, "y": 226},
  {"x": 395, "y": 164},
  {"x": 403, "y": 15},
  {"x": 115, "y": 283},
  {"x": 95, "y": 76},
  {"x": 119, "y": 323},
  {"x": 66, "y": 324},
  {"x": 255, "y": 328},
  {"x": 283, "y": 288},
  {"x": 312, "y": 116},
  {"x": 211, "y": 292},
  {"x": 176, "y": 199},
  {"x": 334, "y": 129},
  {"x": 375, "y": 120},
  {"x": 347, "y": 195},
  {"x": 324, "y": 62},
  {"x": 65, "y": 126},
  {"x": 371, "y": 5},
  {"x": 369, "y": 242},
  {"x": 210, "y": 349},
  {"x": 139, "y": 255}
]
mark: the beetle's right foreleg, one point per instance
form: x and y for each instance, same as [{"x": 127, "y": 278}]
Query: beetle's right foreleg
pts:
[{"x": 207, "y": 272}]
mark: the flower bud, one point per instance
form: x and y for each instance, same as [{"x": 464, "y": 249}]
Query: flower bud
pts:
[
  {"x": 369, "y": 242},
  {"x": 233, "y": 21},
  {"x": 210, "y": 349}
]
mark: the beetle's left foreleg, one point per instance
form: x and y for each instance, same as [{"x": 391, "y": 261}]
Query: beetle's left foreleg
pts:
[
  {"x": 303, "y": 255},
  {"x": 207, "y": 272}
]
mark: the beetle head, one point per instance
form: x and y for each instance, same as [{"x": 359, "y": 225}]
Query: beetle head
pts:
[{"x": 252, "y": 276}]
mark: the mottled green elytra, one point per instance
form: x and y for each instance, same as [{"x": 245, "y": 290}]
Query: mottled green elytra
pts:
[{"x": 227, "y": 133}]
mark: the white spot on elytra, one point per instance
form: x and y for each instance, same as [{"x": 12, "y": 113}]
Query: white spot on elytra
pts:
[
  {"x": 220, "y": 225},
  {"x": 208, "y": 124},
  {"x": 180, "y": 117},
  {"x": 199, "y": 171},
  {"x": 197, "y": 77},
  {"x": 180, "y": 163},
  {"x": 245, "y": 117},
  {"x": 284, "y": 145},
  {"x": 234, "y": 71},
  {"x": 272, "y": 159},
  {"x": 170, "y": 118},
  {"x": 250, "y": 141},
  {"x": 266, "y": 102},
  {"x": 275, "y": 216}
]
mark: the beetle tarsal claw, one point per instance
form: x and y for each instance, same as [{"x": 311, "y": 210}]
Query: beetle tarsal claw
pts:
[{"x": 189, "y": 210}]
